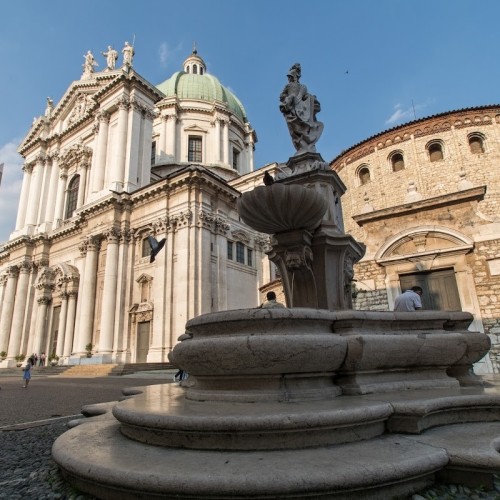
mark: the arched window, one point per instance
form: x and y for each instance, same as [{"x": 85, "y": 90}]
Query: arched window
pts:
[
  {"x": 397, "y": 162},
  {"x": 476, "y": 144},
  {"x": 364, "y": 175},
  {"x": 195, "y": 69},
  {"x": 201, "y": 70},
  {"x": 435, "y": 151},
  {"x": 72, "y": 196}
]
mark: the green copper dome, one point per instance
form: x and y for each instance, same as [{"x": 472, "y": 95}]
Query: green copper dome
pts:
[{"x": 197, "y": 84}]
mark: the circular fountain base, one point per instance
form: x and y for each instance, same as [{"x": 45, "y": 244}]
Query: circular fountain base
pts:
[{"x": 265, "y": 413}]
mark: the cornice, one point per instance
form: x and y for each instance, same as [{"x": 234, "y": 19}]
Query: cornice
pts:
[
  {"x": 436, "y": 124},
  {"x": 476, "y": 193}
]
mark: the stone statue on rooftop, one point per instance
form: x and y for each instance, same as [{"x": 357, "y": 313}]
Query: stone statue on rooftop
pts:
[
  {"x": 299, "y": 109},
  {"x": 88, "y": 65},
  {"x": 111, "y": 56},
  {"x": 128, "y": 54}
]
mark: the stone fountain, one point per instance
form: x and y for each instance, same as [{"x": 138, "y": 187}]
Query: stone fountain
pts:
[{"x": 312, "y": 401}]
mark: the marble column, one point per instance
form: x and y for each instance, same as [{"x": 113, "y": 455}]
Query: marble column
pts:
[
  {"x": 3, "y": 283},
  {"x": 41, "y": 322},
  {"x": 69, "y": 327},
  {"x": 102, "y": 146},
  {"x": 61, "y": 192},
  {"x": 217, "y": 141},
  {"x": 163, "y": 142},
  {"x": 123, "y": 298},
  {"x": 52, "y": 191},
  {"x": 61, "y": 328},
  {"x": 109, "y": 293},
  {"x": 87, "y": 298},
  {"x": 118, "y": 171},
  {"x": 16, "y": 330},
  {"x": 171, "y": 139},
  {"x": 225, "y": 144},
  {"x": 35, "y": 191},
  {"x": 83, "y": 184},
  {"x": 12, "y": 274},
  {"x": 25, "y": 191}
]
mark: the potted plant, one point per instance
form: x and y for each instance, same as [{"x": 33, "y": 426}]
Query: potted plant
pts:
[
  {"x": 3, "y": 355},
  {"x": 20, "y": 358},
  {"x": 53, "y": 359},
  {"x": 88, "y": 348}
]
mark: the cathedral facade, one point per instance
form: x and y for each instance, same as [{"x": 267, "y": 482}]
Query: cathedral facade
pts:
[
  {"x": 116, "y": 160},
  {"x": 425, "y": 198}
]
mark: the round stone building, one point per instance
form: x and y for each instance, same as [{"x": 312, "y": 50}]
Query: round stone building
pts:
[{"x": 424, "y": 198}]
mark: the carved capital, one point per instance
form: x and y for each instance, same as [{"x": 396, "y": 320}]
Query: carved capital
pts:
[
  {"x": 89, "y": 244},
  {"x": 43, "y": 300},
  {"x": 126, "y": 236},
  {"x": 103, "y": 116},
  {"x": 112, "y": 235},
  {"x": 12, "y": 272},
  {"x": 3, "y": 279},
  {"x": 25, "y": 267},
  {"x": 28, "y": 168},
  {"x": 181, "y": 219},
  {"x": 123, "y": 103},
  {"x": 41, "y": 158}
]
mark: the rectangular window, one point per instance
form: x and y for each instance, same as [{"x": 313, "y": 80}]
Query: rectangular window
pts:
[
  {"x": 249, "y": 257},
  {"x": 230, "y": 250},
  {"x": 153, "y": 153},
  {"x": 240, "y": 252},
  {"x": 236, "y": 158},
  {"x": 194, "y": 148}
]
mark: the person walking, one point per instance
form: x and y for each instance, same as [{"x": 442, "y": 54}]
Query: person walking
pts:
[
  {"x": 27, "y": 372},
  {"x": 409, "y": 300}
]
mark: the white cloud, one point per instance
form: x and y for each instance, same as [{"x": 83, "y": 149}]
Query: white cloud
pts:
[
  {"x": 404, "y": 115},
  {"x": 400, "y": 115},
  {"x": 167, "y": 53},
  {"x": 10, "y": 187}
]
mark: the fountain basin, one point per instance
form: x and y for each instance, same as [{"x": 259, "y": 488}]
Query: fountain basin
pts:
[{"x": 279, "y": 207}]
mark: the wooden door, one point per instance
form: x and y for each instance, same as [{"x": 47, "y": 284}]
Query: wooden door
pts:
[
  {"x": 440, "y": 289},
  {"x": 142, "y": 342}
]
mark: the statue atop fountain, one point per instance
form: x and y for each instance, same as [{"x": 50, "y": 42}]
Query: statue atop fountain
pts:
[
  {"x": 299, "y": 109},
  {"x": 303, "y": 212}
]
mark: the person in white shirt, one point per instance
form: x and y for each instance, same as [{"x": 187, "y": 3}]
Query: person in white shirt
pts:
[{"x": 409, "y": 300}]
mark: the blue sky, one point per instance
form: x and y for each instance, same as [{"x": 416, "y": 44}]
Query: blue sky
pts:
[{"x": 371, "y": 63}]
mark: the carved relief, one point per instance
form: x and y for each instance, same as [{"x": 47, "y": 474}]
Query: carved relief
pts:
[{"x": 214, "y": 222}]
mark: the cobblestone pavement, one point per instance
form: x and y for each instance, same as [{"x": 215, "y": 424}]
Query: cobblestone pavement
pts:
[{"x": 31, "y": 419}]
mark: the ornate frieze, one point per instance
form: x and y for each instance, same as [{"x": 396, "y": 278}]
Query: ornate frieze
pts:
[
  {"x": 241, "y": 235},
  {"x": 182, "y": 219},
  {"x": 212, "y": 221},
  {"x": 78, "y": 154}
]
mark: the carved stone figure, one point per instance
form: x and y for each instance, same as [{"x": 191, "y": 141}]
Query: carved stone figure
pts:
[
  {"x": 128, "y": 54},
  {"x": 111, "y": 57},
  {"x": 299, "y": 109},
  {"x": 88, "y": 65},
  {"x": 49, "y": 108}
]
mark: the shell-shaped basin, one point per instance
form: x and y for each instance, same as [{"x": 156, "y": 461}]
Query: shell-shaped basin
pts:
[{"x": 279, "y": 207}]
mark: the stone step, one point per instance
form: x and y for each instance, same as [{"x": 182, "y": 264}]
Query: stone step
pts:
[
  {"x": 89, "y": 370},
  {"x": 129, "y": 368}
]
